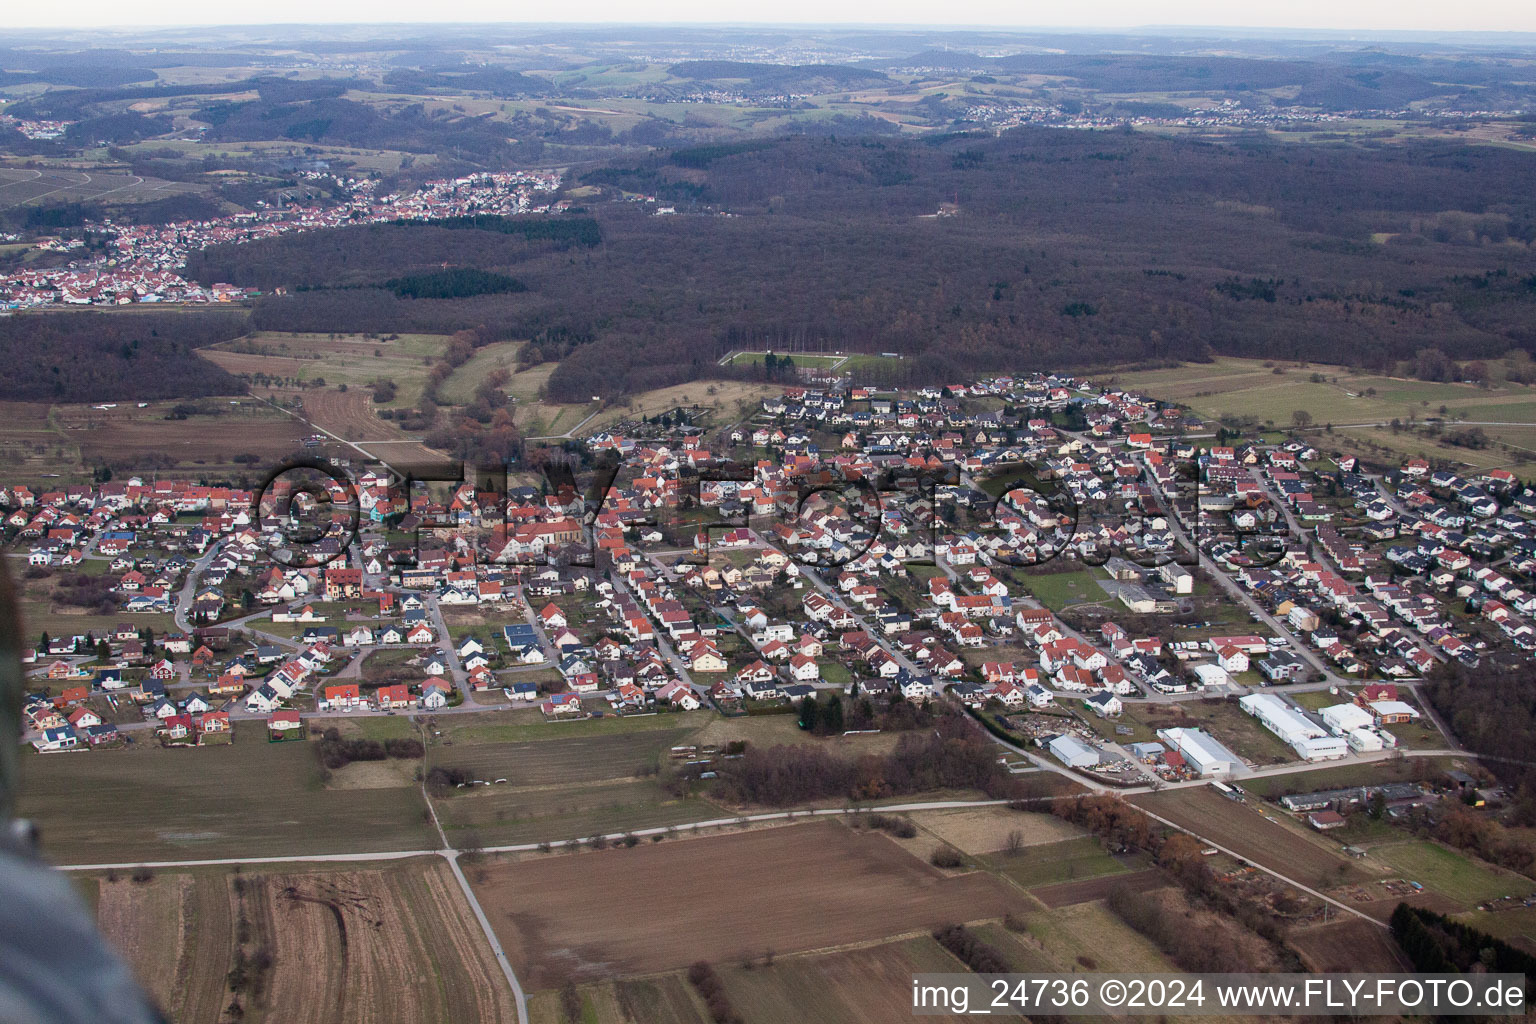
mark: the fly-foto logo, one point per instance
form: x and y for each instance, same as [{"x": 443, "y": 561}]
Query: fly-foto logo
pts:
[{"x": 826, "y": 516}]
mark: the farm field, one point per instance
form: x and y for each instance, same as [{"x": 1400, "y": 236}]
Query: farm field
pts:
[
  {"x": 336, "y": 940},
  {"x": 847, "y": 888},
  {"x": 40, "y": 611},
  {"x": 1358, "y": 405},
  {"x": 1347, "y": 945},
  {"x": 1522, "y": 439},
  {"x": 204, "y": 443},
  {"x": 1070, "y": 894},
  {"x": 250, "y": 798},
  {"x": 858, "y": 986},
  {"x": 460, "y": 387},
  {"x": 771, "y": 730},
  {"x": 1517, "y": 927},
  {"x": 565, "y": 780},
  {"x": 1059, "y": 940},
  {"x": 1246, "y": 833},
  {"x": 977, "y": 830},
  {"x": 664, "y": 999},
  {"x": 384, "y": 160},
  {"x": 350, "y": 415},
  {"x": 569, "y": 761},
  {"x": 68, "y": 441},
  {"x": 727, "y": 400},
  {"x": 31, "y": 448},
  {"x": 1246, "y": 387},
  {"x": 504, "y": 816}
]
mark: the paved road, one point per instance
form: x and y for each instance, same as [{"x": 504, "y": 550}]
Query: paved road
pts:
[
  {"x": 1239, "y": 594},
  {"x": 451, "y": 855},
  {"x": 189, "y": 588}
]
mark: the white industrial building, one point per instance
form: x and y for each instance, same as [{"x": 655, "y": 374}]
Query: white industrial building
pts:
[
  {"x": 1073, "y": 752},
  {"x": 1363, "y": 741},
  {"x": 1212, "y": 677},
  {"x": 1356, "y": 725},
  {"x": 1310, "y": 740},
  {"x": 1344, "y": 719},
  {"x": 1200, "y": 751}
]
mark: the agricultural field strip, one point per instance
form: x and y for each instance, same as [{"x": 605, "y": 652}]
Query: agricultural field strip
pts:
[
  {"x": 316, "y": 858},
  {"x": 686, "y": 827}
]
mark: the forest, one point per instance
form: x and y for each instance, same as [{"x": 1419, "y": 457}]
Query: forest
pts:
[
  {"x": 124, "y": 356},
  {"x": 1036, "y": 249}
]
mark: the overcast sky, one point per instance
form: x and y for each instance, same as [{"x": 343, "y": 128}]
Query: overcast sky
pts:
[{"x": 1363, "y": 15}]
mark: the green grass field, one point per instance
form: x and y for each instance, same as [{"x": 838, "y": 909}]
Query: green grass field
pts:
[
  {"x": 800, "y": 358},
  {"x": 497, "y": 815},
  {"x": 460, "y": 387},
  {"x": 1450, "y": 873},
  {"x": 1061, "y": 589},
  {"x": 350, "y": 359},
  {"x": 1347, "y": 775},
  {"x": 1359, "y": 405},
  {"x": 1065, "y": 861},
  {"x": 248, "y": 798}
]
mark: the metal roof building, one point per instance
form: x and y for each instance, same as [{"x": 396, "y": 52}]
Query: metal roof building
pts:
[
  {"x": 1201, "y": 751},
  {"x": 1073, "y": 752}
]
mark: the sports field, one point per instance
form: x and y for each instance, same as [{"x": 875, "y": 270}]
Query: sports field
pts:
[{"x": 21, "y": 185}]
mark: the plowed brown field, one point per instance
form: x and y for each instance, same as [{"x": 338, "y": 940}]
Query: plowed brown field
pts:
[
  {"x": 660, "y": 907},
  {"x": 385, "y": 944}
]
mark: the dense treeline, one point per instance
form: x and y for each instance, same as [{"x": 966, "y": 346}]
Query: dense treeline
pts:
[
  {"x": 1191, "y": 940},
  {"x": 703, "y": 977},
  {"x": 1439, "y": 945},
  {"x": 1492, "y": 709},
  {"x": 453, "y": 283},
  {"x": 1054, "y": 250},
  {"x": 953, "y": 755},
  {"x": 366, "y": 254},
  {"x": 977, "y": 954},
  {"x": 124, "y": 356},
  {"x": 562, "y": 230},
  {"x": 501, "y": 82},
  {"x": 336, "y": 752}
]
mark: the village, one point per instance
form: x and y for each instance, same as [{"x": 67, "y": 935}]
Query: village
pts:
[
  {"x": 143, "y": 263},
  {"x": 1112, "y": 598}
]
